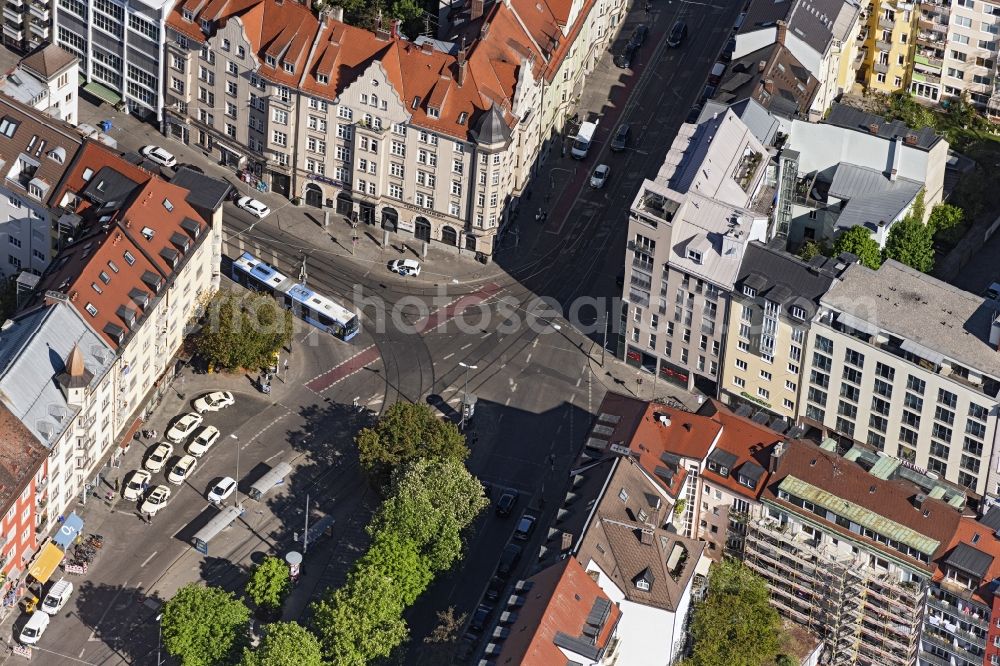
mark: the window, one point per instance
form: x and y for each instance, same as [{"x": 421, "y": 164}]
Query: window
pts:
[
  {"x": 883, "y": 388},
  {"x": 741, "y": 365},
  {"x": 847, "y": 409},
  {"x": 766, "y": 376},
  {"x": 959, "y": 39},
  {"x": 279, "y": 116},
  {"x": 880, "y": 406},
  {"x": 913, "y": 402},
  {"x": 852, "y": 393},
  {"x": 946, "y": 416},
  {"x": 854, "y": 358},
  {"x": 885, "y": 371},
  {"x": 817, "y": 396},
  {"x": 844, "y": 426},
  {"x": 878, "y": 423},
  {"x": 852, "y": 375},
  {"x": 915, "y": 385},
  {"x": 941, "y": 432},
  {"x": 820, "y": 379},
  {"x": 824, "y": 344},
  {"x": 279, "y": 138},
  {"x": 739, "y": 381},
  {"x": 822, "y": 362},
  {"x": 970, "y": 463},
  {"x": 798, "y": 312},
  {"x": 911, "y": 419},
  {"x": 908, "y": 436},
  {"x": 947, "y": 398},
  {"x": 396, "y": 170},
  {"x": 395, "y": 191}
]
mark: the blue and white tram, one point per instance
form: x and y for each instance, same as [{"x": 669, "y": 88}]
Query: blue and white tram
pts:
[{"x": 318, "y": 310}]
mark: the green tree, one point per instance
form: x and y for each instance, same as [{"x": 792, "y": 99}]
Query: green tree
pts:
[
  {"x": 910, "y": 242},
  {"x": 361, "y": 621},
  {"x": 400, "y": 559},
  {"x": 735, "y": 624},
  {"x": 243, "y": 331},
  {"x": 809, "y": 250},
  {"x": 269, "y": 583},
  {"x": 902, "y": 106},
  {"x": 201, "y": 625},
  {"x": 858, "y": 241},
  {"x": 406, "y": 432},
  {"x": 918, "y": 210},
  {"x": 432, "y": 502},
  {"x": 285, "y": 644},
  {"x": 944, "y": 217}
]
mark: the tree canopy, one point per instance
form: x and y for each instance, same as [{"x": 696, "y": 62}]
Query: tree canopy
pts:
[
  {"x": 735, "y": 624},
  {"x": 859, "y": 242},
  {"x": 407, "y": 432},
  {"x": 268, "y": 583},
  {"x": 201, "y": 625},
  {"x": 285, "y": 644},
  {"x": 243, "y": 331},
  {"x": 809, "y": 250},
  {"x": 910, "y": 242}
]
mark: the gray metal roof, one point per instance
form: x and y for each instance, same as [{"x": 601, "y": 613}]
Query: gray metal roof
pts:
[
  {"x": 493, "y": 128},
  {"x": 723, "y": 458},
  {"x": 758, "y": 120},
  {"x": 204, "y": 192},
  {"x": 109, "y": 186},
  {"x": 921, "y": 309},
  {"x": 851, "y": 118},
  {"x": 33, "y": 352},
  {"x": 819, "y": 22},
  {"x": 871, "y": 196},
  {"x": 751, "y": 471},
  {"x": 992, "y": 519},
  {"x": 970, "y": 560}
]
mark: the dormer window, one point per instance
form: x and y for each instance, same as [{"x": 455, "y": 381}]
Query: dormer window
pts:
[
  {"x": 288, "y": 67},
  {"x": 148, "y": 233},
  {"x": 749, "y": 292},
  {"x": 695, "y": 256},
  {"x": 187, "y": 14},
  {"x": 88, "y": 173},
  {"x": 433, "y": 112},
  {"x": 206, "y": 26},
  {"x": 270, "y": 61},
  {"x": 747, "y": 482},
  {"x": 168, "y": 205},
  {"x": 642, "y": 584},
  {"x": 322, "y": 79},
  {"x": 416, "y": 103},
  {"x": 798, "y": 312},
  {"x": 462, "y": 117}
]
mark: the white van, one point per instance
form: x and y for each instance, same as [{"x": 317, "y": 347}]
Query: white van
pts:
[
  {"x": 57, "y": 597},
  {"x": 34, "y": 629},
  {"x": 584, "y": 137}
]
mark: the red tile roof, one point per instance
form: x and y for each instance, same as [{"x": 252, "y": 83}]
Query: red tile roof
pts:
[
  {"x": 559, "y": 601},
  {"x": 984, "y": 539},
  {"x": 749, "y": 441},
  {"x": 21, "y": 456},
  {"x": 128, "y": 249}
]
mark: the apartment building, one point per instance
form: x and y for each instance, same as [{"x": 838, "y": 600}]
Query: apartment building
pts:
[
  {"x": 23, "y": 499},
  {"x": 970, "y": 59},
  {"x": 427, "y": 139},
  {"x": 56, "y": 377},
  {"x": 889, "y": 46},
  {"x": 961, "y": 601},
  {"x": 650, "y": 573},
  {"x": 120, "y": 47},
  {"x": 144, "y": 262},
  {"x": 47, "y": 80},
  {"x": 687, "y": 231},
  {"x": 775, "y": 297},
  {"x": 906, "y": 364},
  {"x": 558, "y": 615},
  {"x": 820, "y": 35},
  {"x": 932, "y": 43},
  {"x": 35, "y": 153},
  {"x": 854, "y": 169},
  {"x": 27, "y": 25},
  {"x": 849, "y": 552}
]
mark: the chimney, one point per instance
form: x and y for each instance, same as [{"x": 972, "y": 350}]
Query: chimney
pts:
[
  {"x": 337, "y": 13},
  {"x": 462, "y": 66},
  {"x": 768, "y": 86},
  {"x": 897, "y": 149},
  {"x": 910, "y": 139},
  {"x": 776, "y": 453},
  {"x": 761, "y": 66},
  {"x": 396, "y": 34},
  {"x": 382, "y": 34},
  {"x": 476, "y": 9},
  {"x": 873, "y": 128},
  {"x": 782, "y": 31}
]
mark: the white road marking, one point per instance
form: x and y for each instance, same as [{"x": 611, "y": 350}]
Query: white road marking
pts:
[
  {"x": 448, "y": 356},
  {"x": 274, "y": 456},
  {"x": 578, "y": 380},
  {"x": 146, "y": 561},
  {"x": 484, "y": 336},
  {"x": 93, "y": 634},
  {"x": 528, "y": 360},
  {"x": 466, "y": 346}
]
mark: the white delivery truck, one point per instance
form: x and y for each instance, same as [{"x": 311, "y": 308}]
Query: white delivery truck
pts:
[{"x": 584, "y": 137}]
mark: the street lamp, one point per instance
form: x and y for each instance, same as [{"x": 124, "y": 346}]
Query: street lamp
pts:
[
  {"x": 236, "y": 437},
  {"x": 465, "y": 392},
  {"x": 159, "y": 637}
]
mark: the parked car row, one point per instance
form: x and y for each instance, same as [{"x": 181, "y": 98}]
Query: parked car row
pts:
[
  {"x": 137, "y": 485},
  {"x": 57, "y": 596}
]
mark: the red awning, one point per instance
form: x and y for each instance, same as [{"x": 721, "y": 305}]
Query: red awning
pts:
[{"x": 127, "y": 439}]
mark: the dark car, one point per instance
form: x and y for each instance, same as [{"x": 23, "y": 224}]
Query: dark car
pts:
[
  {"x": 480, "y": 618},
  {"x": 639, "y": 35},
  {"x": 525, "y": 527},
  {"x": 509, "y": 558},
  {"x": 621, "y": 138},
  {"x": 624, "y": 59},
  {"x": 677, "y": 34},
  {"x": 727, "y": 53},
  {"x": 692, "y": 116},
  {"x": 495, "y": 588},
  {"x": 506, "y": 503}
]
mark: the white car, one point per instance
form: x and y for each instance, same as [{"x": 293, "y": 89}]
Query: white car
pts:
[
  {"x": 158, "y": 458},
  {"x": 156, "y": 500},
  {"x": 223, "y": 489},
  {"x": 35, "y": 627},
  {"x": 600, "y": 176},
  {"x": 183, "y": 428},
  {"x": 182, "y": 470},
  {"x": 254, "y": 207},
  {"x": 213, "y": 402},
  {"x": 136, "y": 483},
  {"x": 208, "y": 436},
  {"x": 158, "y": 155},
  {"x": 405, "y": 267}
]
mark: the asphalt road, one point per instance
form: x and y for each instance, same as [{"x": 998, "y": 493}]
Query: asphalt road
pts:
[{"x": 535, "y": 389}]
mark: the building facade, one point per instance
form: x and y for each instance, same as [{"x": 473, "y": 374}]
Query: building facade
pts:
[
  {"x": 775, "y": 297},
  {"x": 889, "y": 47},
  {"x": 48, "y": 81},
  {"x": 120, "y": 47},
  {"x": 426, "y": 140},
  {"x": 904, "y": 364},
  {"x": 27, "y": 25}
]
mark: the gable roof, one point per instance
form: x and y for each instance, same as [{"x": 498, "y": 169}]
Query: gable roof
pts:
[
  {"x": 49, "y": 61},
  {"x": 48, "y": 143},
  {"x": 974, "y": 550},
  {"x": 848, "y": 117},
  {"x": 745, "y": 445},
  {"x": 565, "y": 608},
  {"x": 21, "y": 456},
  {"x": 772, "y": 76},
  {"x": 804, "y": 283},
  {"x": 625, "y": 541}
]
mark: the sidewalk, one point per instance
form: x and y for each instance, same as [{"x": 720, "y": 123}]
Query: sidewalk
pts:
[{"x": 620, "y": 377}]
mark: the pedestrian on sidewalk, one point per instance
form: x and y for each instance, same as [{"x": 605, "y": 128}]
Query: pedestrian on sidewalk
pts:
[{"x": 286, "y": 365}]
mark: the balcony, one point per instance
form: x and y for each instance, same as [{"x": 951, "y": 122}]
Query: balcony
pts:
[
  {"x": 933, "y": 659},
  {"x": 13, "y": 33},
  {"x": 40, "y": 12},
  {"x": 885, "y": 23},
  {"x": 13, "y": 15},
  {"x": 40, "y": 29},
  {"x": 923, "y": 77},
  {"x": 951, "y": 646},
  {"x": 883, "y": 45},
  {"x": 928, "y": 61}
]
